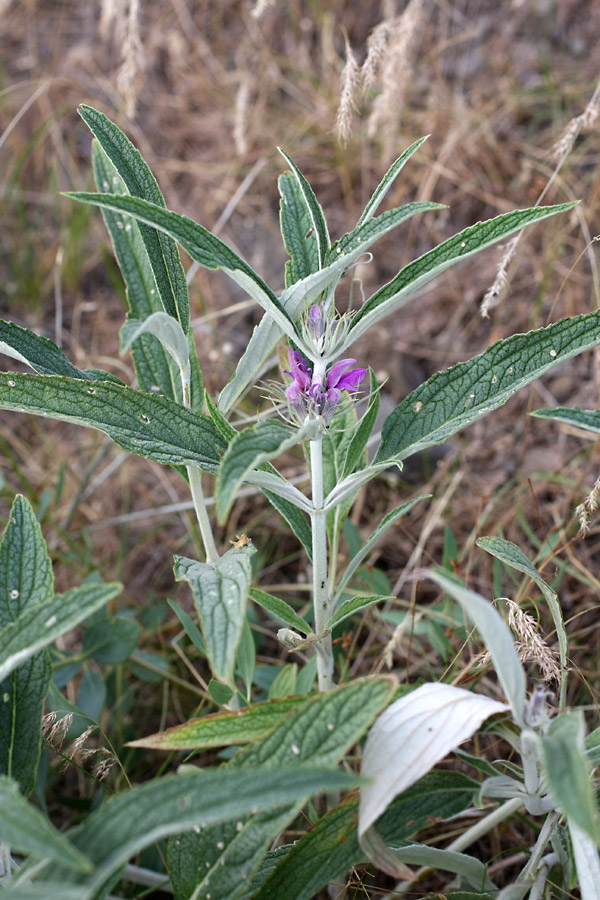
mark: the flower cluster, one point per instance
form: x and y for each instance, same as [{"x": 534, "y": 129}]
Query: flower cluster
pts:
[{"x": 312, "y": 396}]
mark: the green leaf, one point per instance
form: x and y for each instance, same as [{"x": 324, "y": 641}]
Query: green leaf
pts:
[
  {"x": 246, "y": 657},
  {"x": 459, "y": 396},
  {"x": 299, "y": 235},
  {"x": 313, "y": 208},
  {"x": 496, "y": 636},
  {"x": 586, "y": 419},
  {"x": 357, "y": 446},
  {"x": 153, "y": 366},
  {"x": 223, "y": 728},
  {"x": 203, "y": 247},
  {"x": 26, "y": 581},
  {"x": 567, "y": 772},
  {"x": 284, "y": 684},
  {"x": 129, "y": 821},
  {"x": 587, "y": 861},
  {"x": 331, "y": 847},
  {"x": 385, "y": 524},
  {"x": 513, "y": 556},
  {"x": 371, "y": 230},
  {"x": 388, "y": 180},
  {"x": 220, "y": 592},
  {"x": 112, "y": 641},
  {"x": 281, "y": 610},
  {"x": 248, "y": 449},
  {"x": 422, "y": 270},
  {"x": 43, "y": 355},
  {"x": 146, "y": 424},
  {"x": 192, "y": 630},
  {"x": 141, "y": 183},
  {"x": 318, "y": 733},
  {"x": 353, "y": 605},
  {"x": 41, "y": 624},
  {"x": 220, "y": 693},
  {"x": 468, "y": 867},
  {"x": 168, "y": 332},
  {"x": 26, "y": 830}
]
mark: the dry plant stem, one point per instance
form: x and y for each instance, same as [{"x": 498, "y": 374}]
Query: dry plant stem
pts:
[{"x": 318, "y": 520}]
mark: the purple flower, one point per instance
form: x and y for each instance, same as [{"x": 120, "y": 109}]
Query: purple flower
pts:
[{"x": 308, "y": 394}]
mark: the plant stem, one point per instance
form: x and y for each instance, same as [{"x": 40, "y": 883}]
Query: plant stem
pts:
[
  {"x": 195, "y": 477},
  {"x": 319, "y": 548}
]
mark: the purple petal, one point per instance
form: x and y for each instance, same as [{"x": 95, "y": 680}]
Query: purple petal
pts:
[
  {"x": 335, "y": 372},
  {"x": 351, "y": 380},
  {"x": 299, "y": 370}
]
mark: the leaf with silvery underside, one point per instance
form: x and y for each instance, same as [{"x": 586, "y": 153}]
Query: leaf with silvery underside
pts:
[
  {"x": 133, "y": 819},
  {"x": 567, "y": 772},
  {"x": 422, "y": 270},
  {"x": 497, "y": 637},
  {"x": 297, "y": 230},
  {"x": 26, "y": 830},
  {"x": 42, "y": 355},
  {"x": 141, "y": 183},
  {"x": 251, "y": 447},
  {"x": 220, "y": 593},
  {"x": 312, "y": 206},
  {"x": 326, "y": 852},
  {"x": 587, "y": 861},
  {"x": 387, "y": 181},
  {"x": 354, "y": 605},
  {"x": 171, "y": 337},
  {"x": 153, "y": 366},
  {"x": 147, "y": 424},
  {"x": 292, "y": 515},
  {"x": 224, "y": 728},
  {"x": 203, "y": 247},
  {"x": 26, "y": 581},
  {"x": 41, "y": 624},
  {"x": 319, "y": 733},
  {"x": 457, "y": 397},
  {"x": 386, "y": 523},
  {"x": 281, "y": 610},
  {"x": 513, "y": 556},
  {"x": 586, "y": 419}
]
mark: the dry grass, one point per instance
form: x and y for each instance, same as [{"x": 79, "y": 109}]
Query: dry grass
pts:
[{"x": 207, "y": 91}]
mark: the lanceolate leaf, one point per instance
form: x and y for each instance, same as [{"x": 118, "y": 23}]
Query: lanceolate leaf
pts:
[
  {"x": 248, "y": 449},
  {"x": 331, "y": 847},
  {"x": 317, "y": 734},
  {"x": 43, "y": 355},
  {"x": 203, "y": 247},
  {"x": 298, "y": 231},
  {"x": 371, "y": 230},
  {"x": 311, "y": 204},
  {"x": 586, "y": 419},
  {"x": 497, "y": 637},
  {"x": 42, "y": 623},
  {"x": 455, "y": 398},
  {"x": 425, "y": 268},
  {"x": 223, "y": 728},
  {"x": 386, "y": 523},
  {"x": 220, "y": 592},
  {"x": 513, "y": 556},
  {"x": 387, "y": 181},
  {"x": 140, "y": 182},
  {"x": 353, "y": 605},
  {"x": 280, "y": 610},
  {"x": 129, "y": 821},
  {"x": 26, "y": 582},
  {"x": 147, "y": 424},
  {"x": 356, "y": 448}
]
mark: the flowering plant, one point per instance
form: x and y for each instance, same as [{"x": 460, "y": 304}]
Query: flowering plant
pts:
[{"x": 221, "y": 822}]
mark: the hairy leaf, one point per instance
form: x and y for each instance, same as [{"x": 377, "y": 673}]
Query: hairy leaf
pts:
[{"x": 281, "y": 610}]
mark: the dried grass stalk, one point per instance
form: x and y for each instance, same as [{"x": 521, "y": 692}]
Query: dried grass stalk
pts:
[
  {"x": 240, "y": 124},
  {"x": 529, "y": 645},
  {"x": 347, "y": 107},
  {"x": 587, "y": 508},
  {"x": 493, "y": 294},
  {"x": 130, "y": 74},
  {"x": 260, "y": 8},
  {"x": 585, "y": 122}
]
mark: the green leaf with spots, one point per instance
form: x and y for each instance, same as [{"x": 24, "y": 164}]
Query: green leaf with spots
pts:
[
  {"x": 220, "y": 593},
  {"x": 147, "y": 424},
  {"x": 422, "y": 270},
  {"x": 459, "y": 396},
  {"x": 586, "y": 419},
  {"x": 312, "y": 209},
  {"x": 297, "y": 229},
  {"x": 317, "y": 734},
  {"x": 26, "y": 583}
]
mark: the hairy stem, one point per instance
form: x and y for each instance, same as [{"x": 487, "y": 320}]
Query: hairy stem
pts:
[
  {"x": 195, "y": 477},
  {"x": 319, "y": 547}
]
